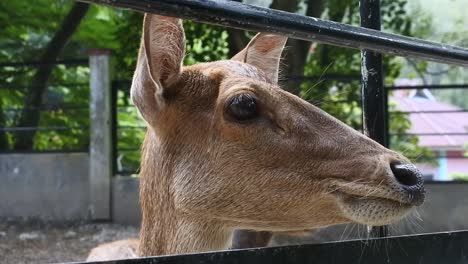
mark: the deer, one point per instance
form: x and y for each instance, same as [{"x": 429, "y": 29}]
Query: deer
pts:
[{"x": 226, "y": 148}]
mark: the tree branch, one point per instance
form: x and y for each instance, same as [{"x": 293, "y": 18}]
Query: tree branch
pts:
[
  {"x": 33, "y": 97},
  {"x": 297, "y": 50}
]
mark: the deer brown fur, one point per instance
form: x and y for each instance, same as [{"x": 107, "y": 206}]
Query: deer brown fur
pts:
[{"x": 226, "y": 149}]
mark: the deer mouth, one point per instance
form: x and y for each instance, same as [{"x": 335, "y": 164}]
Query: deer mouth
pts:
[{"x": 371, "y": 205}]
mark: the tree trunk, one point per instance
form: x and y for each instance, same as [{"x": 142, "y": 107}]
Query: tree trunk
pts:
[
  {"x": 296, "y": 50},
  {"x": 237, "y": 39},
  {"x": 3, "y": 136},
  {"x": 30, "y": 116}
]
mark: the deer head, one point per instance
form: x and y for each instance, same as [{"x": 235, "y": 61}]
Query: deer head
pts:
[{"x": 227, "y": 148}]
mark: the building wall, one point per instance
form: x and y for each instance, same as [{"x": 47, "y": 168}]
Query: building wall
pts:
[
  {"x": 49, "y": 186},
  {"x": 56, "y": 187},
  {"x": 456, "y": 163}
]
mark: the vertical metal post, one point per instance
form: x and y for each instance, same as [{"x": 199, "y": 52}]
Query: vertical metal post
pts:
[
  {"x": 100, "y": 145},
  {"x": 373, "y": 93}
]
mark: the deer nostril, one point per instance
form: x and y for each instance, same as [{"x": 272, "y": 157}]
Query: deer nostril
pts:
[
  {"x": 411, "y": 181},
  {"x": 406, "y": 174}
]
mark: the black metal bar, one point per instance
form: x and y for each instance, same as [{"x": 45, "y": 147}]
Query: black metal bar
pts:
[
  {"x": 430, "y": 134},
  {"x": 129, "y": 149},
  {"x": 47, "y": 108},
  {"x": 417, "y": 87},
  {"x": 373, "y": 92},
  {"x": 131, "y": 127},
  {"x": 326, "y": 77},
  {"x": 126, "y": 172},
  {"x": 431, "y": 112},
  {"x": 41, "y": 63},
  {"x": 65, "y": 150},
  {"x": 50, "y": 128},
  {"x": 443, "y": 157},
  {"x": 450, "y": 247},
  {"x": 242, "y": 16}
]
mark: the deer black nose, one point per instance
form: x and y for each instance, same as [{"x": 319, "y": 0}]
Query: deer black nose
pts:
[{"x": 410, "y": 179}]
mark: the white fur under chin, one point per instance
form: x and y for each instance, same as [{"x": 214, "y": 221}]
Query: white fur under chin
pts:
[{"x": 373, "y": 211}]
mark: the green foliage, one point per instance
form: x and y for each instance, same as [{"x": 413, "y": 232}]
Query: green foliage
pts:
[
  {"x": 459, "y": 176},
  {"x": 205, "y": 43},
  {"x": 29, "y": 28},
  {"x": 342, "y": 99},
  {"x": 441, "y": 28}
]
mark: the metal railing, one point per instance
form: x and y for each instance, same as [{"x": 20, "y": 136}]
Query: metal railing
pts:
[
  {"x": 435, "y": 248},
  {"x": 55, "y": 112},
  {"x": 370, "y": 41}
]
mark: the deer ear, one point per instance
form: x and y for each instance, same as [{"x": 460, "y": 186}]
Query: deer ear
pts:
[
  {"x": 159, "y": 63},
  {"x": 264, "y": 52}
]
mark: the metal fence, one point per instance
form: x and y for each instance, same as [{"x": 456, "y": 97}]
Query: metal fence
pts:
[
  {"x": 63, "y": 123},
  {"x": 127, "y": 138},
  {"x": 371, "y": 42},
  {"x": 433, "y": 248},
  {"x": 428, "y": 249}
]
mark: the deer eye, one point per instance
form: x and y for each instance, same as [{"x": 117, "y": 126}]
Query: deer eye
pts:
[{"x": 242, "y": 107}]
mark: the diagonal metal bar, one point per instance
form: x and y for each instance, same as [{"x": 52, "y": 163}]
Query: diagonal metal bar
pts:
[{"x": 242, "y": 16}]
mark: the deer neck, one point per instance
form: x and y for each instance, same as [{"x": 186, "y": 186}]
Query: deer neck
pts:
[{"x": 164, "y": 230}]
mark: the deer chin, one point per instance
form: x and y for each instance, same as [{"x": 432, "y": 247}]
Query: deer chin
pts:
[
  {"x": 371, "y": 205},
  {"x": 372, "y": 211}
]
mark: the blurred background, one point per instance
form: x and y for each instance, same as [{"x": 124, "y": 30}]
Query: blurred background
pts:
[{"x": 50, "y": 201}]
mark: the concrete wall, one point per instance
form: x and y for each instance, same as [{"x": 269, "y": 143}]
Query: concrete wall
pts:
[
  {"x": 56, "y": 187},
  {"x": 48, "y": 186},
  {"x": 446, "y": 208},
  {"x": 125, "y": 206}
]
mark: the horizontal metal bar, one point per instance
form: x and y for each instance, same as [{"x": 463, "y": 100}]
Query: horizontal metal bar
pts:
[
  {"x": 429, "y": 87},
  {"x": 444, "y": 182},
  {"x": 128, "y": 149},
  {"x": 18, "y": 87},
  {"x": 125, "y": 106},
  {"x": 41, "y": 63},
  {"x": 50, "y": 128},
  {"x": 324, "y": 102},
  {"x": 438, "y": 157},
  {"x": 126, "y": 172},
  {"x": 44, "y": 151},
  {"x": 430, "y": 112},
  {"x": 253, "y": 18},
  {"x": 326, "y": 77},
  {"x": 46, "y": 108},
  {"x": 450, "y": 247},
  {"x": 442, "y": 157},
  {"x": 431, "y": 134},
  {"x": 131, "y": 127}
]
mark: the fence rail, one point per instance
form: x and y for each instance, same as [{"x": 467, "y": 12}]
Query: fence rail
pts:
[
  {"x": 450, "y": 247},
  {"x": 64, "y": 121},
  {"x": 253, "y": 18},
  {"x": 41, "y": 63}
]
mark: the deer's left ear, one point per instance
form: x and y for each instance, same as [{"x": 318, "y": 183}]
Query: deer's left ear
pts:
[{"x": 264, "y": 52}]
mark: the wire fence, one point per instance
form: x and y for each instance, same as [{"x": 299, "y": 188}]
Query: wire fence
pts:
[
  {"x": 63, "y": 119},
  {"x": 64, "y": 125},
  {"x": 127, "y": 154}
]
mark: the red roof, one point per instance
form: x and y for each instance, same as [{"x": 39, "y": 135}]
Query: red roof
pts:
[{"x": 435, "y": 122}]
